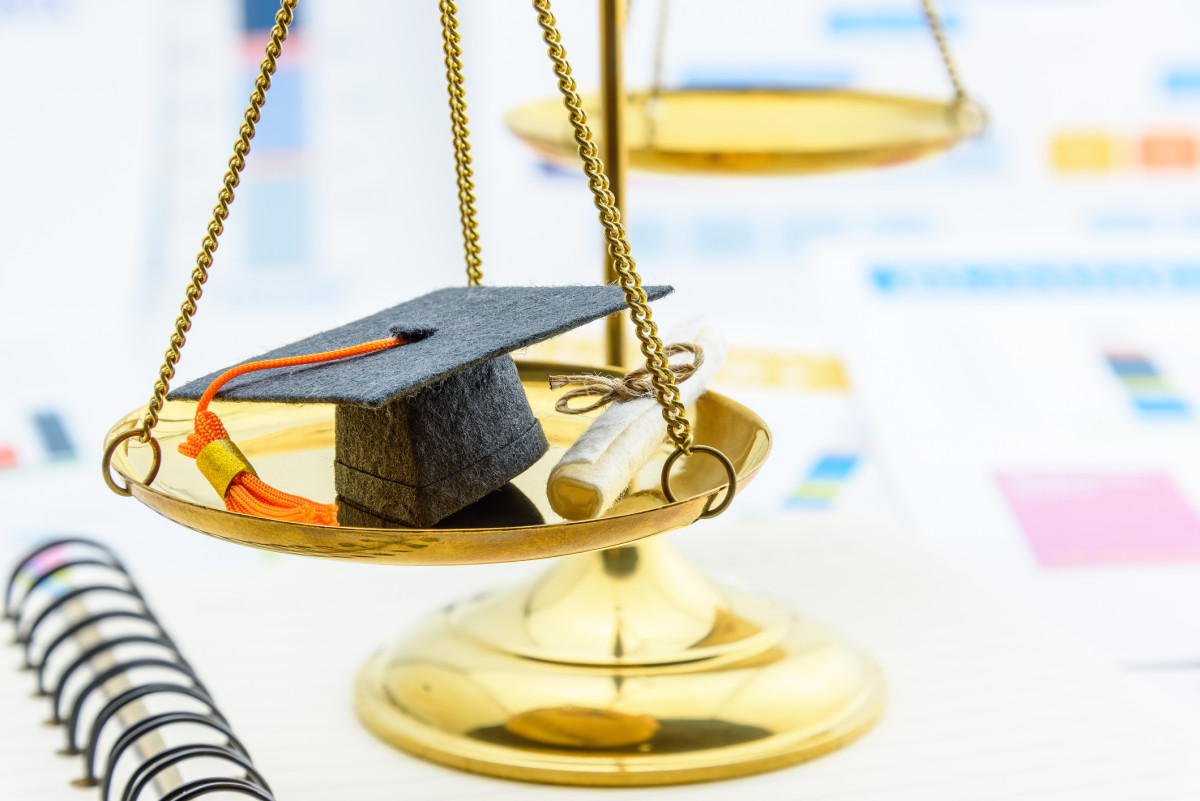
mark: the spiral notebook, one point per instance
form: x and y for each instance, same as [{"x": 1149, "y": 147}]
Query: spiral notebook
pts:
[
  {"x": 129, "y": 704},
  {"x": 985, "y": 703}
]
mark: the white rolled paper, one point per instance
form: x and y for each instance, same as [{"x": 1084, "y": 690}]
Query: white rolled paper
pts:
[{"x": 600, "y": 465}]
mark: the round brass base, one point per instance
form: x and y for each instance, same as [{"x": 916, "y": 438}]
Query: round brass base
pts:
[{"x": 595, "y": 675}]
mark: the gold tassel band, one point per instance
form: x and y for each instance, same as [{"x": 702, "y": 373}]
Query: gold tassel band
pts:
[{"x": 221, "y": 461}]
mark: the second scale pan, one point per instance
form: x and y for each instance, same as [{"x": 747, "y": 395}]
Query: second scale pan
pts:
[{"x": 762, "y": 131}]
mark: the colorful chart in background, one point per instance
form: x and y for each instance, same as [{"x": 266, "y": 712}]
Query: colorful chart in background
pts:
[
  {"x": 1032, "y": 277},
  {"x": 278, "y": 197},
  {"x": 1150, "y": 394},
  {"x": 1073, "y": 520},
  {"x": 39, "y": 438},
  {"x": 885, "y": 21},
  {"x": 824, "y": 480},
  {"x": 53, "y": 435},
  {"x": 1098, "y": 152}
]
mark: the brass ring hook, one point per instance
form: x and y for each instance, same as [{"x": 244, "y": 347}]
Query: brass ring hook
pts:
[
  {"x": 730, "y": 471},
  {"x": 106, "y": 466}
]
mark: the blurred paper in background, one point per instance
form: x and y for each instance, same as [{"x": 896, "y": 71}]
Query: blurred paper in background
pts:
[{"x": 120, "y": 116}]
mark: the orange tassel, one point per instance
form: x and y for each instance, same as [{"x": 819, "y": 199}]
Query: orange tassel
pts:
[{"x": 227, "y": 469}]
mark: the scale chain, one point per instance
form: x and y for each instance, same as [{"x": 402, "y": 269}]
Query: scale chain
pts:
[
  {"x": 204, "y": 260},
  {"x": 451, "y": 45},
  {"x": 654, "y": 101},
  {"x": 661, "y": 377},
  {"x": 934, "y": 21}
]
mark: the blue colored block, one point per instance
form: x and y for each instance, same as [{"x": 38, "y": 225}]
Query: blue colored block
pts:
[
  {"x": 833, "y": 468},
  {"x": 280, "y": 217},
  {"x": 282, "y": 126},
  {"x": 259, "y": 15},
  {"x": 766, "y": 77},
  {"x": 54, "y": 435},
  {"x": 885, "y": 21},
  {"x": 1182, "y": 81},
  {"x": 1132, "y": 366},
  {"x": 1162, "y": 407},
  {"x": 886, "y": 279}
]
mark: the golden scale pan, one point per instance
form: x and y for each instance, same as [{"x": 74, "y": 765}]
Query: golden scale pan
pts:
[
  {"x": 622, "y": 665},
  {"x": 766, "y": 131},
  {"x": 757, "y": 132},
  {"x": 294, "y": 445}
]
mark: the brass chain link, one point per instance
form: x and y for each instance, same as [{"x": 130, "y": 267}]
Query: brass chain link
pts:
[
  {"x": 665, "y": 390},
  {"x": 939, "y": 34},
  {"x": 204, "y": 260},
  {"x": 451, "y": 45}
]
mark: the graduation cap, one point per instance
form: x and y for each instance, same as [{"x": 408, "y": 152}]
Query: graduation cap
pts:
[{"x": 430, "y": 413}]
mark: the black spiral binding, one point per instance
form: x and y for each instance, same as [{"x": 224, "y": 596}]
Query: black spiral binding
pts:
[{"x": 52, "y": 565}]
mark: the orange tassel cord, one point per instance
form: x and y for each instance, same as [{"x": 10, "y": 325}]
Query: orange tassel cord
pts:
[{"x": 227, "y": 469}]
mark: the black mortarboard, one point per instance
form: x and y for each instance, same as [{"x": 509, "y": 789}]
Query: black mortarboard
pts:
[{"x": 425, "y": 429}]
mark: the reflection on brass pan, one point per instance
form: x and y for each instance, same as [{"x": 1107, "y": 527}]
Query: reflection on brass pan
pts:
[
  {"x": 291, "y": 446},
  {"x": 761, "y": 131},
  {"x": 617, "y": 668},
  {"x": 668, "y": 737},
  {"x": 581, "y": 727},
  {"x": 506, "y": 507}
]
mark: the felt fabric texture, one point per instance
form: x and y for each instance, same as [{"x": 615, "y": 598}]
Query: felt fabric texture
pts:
[
  {"x": 597, "y": 469},
  {"x": 428, "y": 454},
  {"x": 506, "y": 507},
  {"x": 463, "y": 326}
]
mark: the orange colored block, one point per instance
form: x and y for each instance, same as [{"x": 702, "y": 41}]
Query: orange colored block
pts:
[
  {"x": 1169, "y": 150},
  {"x": 1083, "y": 152}
]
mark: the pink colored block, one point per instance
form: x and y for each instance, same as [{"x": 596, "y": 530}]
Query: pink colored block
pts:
[{"x": 1105, "y": 518}]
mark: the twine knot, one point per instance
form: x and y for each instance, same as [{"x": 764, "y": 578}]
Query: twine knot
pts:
[{"x": 633, "y": 385}]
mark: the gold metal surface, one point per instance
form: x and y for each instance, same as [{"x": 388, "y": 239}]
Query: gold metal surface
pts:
[
  {"x": 451, "y": 45},
  {"x": 678, "y": 427},
  {"x": 623, "y": 667},
  {"x": 730, "y": 474},
  {"x": 612, "y": 148},
  {"x": 221, "y": 461},
  {"x": 291, "y": 446},
  {"x": 765, "y": 131},
  {"x": 117, "y": 441}
]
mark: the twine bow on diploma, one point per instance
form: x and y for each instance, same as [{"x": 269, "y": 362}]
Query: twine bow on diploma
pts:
[{"x": 631, "y": 386}]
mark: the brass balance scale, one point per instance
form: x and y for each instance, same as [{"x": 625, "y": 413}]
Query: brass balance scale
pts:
[{"x": 621, "y": 665}]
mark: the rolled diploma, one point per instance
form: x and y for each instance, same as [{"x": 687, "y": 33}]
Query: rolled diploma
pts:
[{"x": 595, "y": 470}]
